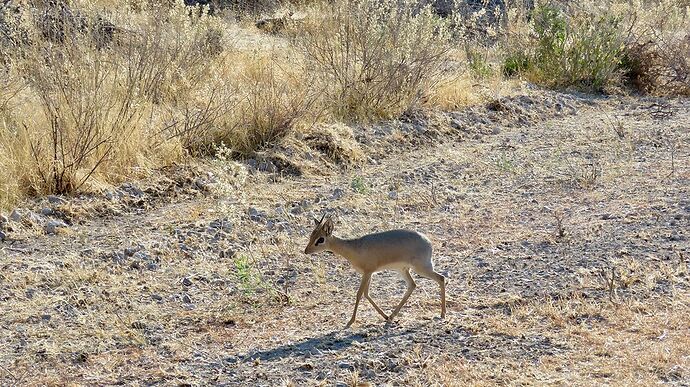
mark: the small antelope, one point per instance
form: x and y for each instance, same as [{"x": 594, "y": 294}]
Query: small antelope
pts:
[{"x": 398, "y": 250}]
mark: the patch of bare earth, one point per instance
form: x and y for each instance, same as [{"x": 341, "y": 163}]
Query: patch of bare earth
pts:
[{"x": 561, "y": 222}]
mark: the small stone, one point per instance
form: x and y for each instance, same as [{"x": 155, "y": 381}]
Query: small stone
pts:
[
  {"x": 130, "y": 251},
  {"x": 186, "y": 299},
  {"x": 200, "y": 184},
  {"x": 3, "y": 220},
  {"x": 46, "y": 317},
  {"x": 118, "y": 257},
  {"x": 2, "y": 236},
  {"x": 142, "y": 256},
  {"x": 52, "y": 199},
  {"x": 346, "y": 366},
  {"x": 253, "y": 164},
  {"x": 16, "y": 215},
  {"x": 152, "y": 266},
  {"x": 186, "y": 281},
  {"x": 52, "y": 227},
  {"x": 337, "y": 193},
  {"x": 47, "y": 211},
  {"x": 393, "y": 195},
  {"x": 296, "y": 210},
  {"x": 229, "y": 253},
  {"x": 156, "y": 297}
]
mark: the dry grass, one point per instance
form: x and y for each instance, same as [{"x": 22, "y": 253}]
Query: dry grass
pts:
[{"x": 93, "y": 93}]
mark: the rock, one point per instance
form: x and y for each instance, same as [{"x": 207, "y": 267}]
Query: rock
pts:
[
  {"x": 2, "y": 236},
  {"x": 256, "y": 215},
  {"x": 186, "y": 299},
  {"x": 16, "y": 215},
  {"x": 52, "y": 199},
  {"x": 118, "y": 257},
  {"x": 34, "y": 218},
  {"x": 46, "y": 317},
  {"x": 186, "y": 281},
  {"x": 3, "y": 220},
  {"x": 252, "y": 164},
  {"x": 229, "y": 253},
  {"x": 47, "y": 211},
  {"x": 152, "y": 266},
  {"x": 200, "y": 184},
  {"x": 132, "y": 190},
  {"x": 156, "y": 297},
  {"x": 393, "y": 195},
  {"x": 337, "y": 194},
  {"x": 52, "y": 227},
  {"x": 130, "y": 251},
  {"x": 296, "y": 210}
]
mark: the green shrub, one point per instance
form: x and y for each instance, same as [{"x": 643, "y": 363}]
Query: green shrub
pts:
[{"x": 579, "y": 49}]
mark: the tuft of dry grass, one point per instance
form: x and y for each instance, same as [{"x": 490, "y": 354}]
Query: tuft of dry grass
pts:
[{"x": 373, "y": 59}]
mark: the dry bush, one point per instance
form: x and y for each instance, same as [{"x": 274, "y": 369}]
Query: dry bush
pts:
[
  {"x": 273, "y": 98},
  {"x": 87, "y": 109},
  {"x": 373, "y": 59},
  {"x": 658, "y": 49}
]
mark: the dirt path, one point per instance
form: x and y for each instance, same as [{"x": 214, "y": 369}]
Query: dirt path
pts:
[{"x": 530, "y": 212}]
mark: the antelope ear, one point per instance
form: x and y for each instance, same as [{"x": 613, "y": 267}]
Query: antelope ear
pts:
[
  {"x": 328, "y": 226},
  {"x": 316, "y": 222}
]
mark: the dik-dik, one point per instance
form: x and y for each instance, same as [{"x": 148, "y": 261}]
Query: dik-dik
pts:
[{"x": 399, "y": 250}]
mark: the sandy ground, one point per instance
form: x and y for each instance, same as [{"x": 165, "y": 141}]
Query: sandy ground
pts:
[{"x": 561, "y": 222}]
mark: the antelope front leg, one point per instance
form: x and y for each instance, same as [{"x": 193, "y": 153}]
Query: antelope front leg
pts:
[{"x": 362, "y": 286}]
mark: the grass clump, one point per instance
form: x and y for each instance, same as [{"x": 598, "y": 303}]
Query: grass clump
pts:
[{"x": 373, "y": 59}]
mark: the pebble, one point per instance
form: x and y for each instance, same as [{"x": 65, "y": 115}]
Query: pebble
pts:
[
  {"x": 253, "y": 164},
  {"x": 186, "y": 281},
  {"x": 16, "y": 215},
  {"x": 229, "y": 253},
  {"x": 52, "y": 199},
  {"x": 3, "y": 219},
  {"x": 47, "y": 211},
  {"x": 130, "y": 251},
  {"x": 53, "y": 226},
  {"x": 337, "y": 194},
  {"x": 2, "y": 236},
  {"x": 393, "y": 195}
]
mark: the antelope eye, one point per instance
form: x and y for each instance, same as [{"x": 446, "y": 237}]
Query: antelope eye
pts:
[{"x": 319, "y": 241}]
